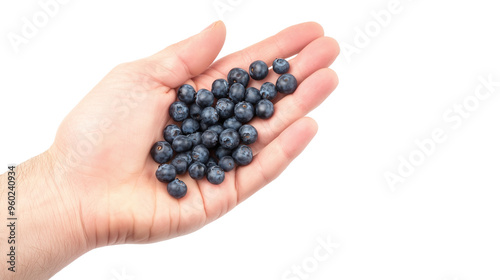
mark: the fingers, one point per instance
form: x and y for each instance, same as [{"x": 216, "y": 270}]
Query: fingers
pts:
[
  {"x": 282, "y": 45},
  {"x": 310, "y": 93},
  {"x": 274, "y": 158},
  {"x": 186, "y": 59}
]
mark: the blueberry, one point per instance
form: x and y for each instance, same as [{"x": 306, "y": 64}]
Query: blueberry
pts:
[
  {"x": 209, "y": 138},
  {"x": 204, "y": 98},
  {"x": 243, "y": 111},
  {"x": 229, "y": 139},
  {"x": 179, "y": 111},
  {"x": 186, "y": 93},
  {"x": 227, "y": 163},
  {"x": 161, "y": 152},
  {"x": 220, "y": 88},
  {"x": 165, "y": 173},
  {"x": 195, "y": 112},
  {"x": 237, "y": 93},
  {"x": 180, "y": 164},
  {"x": 268, "y": 91},
  {"x": 215, "y": 175},
  {"x": 177, "y": 188},
  {"x": 181, "y": 143},
  {"x": 209, "y": 116},
  {"x": 248, "y": 134},
  {"x": 189, "y": 126},
  {"x": 264, "y": 109},
  {"x": 252, "y": 95},
  {"x": 286, "y": 84},
  {"x": 238, "y": 75},
  {"x": 225, "y": 108},
  {"x": 195, "y": 138},
  {"x": 185, "y": 155},
  {"x": 197, "y": 170},
  {"x": 217, "y": 128},
  {"x": 211, "y": 162},
  {"x": 242, "y": 155},
  {"x": 280, "y": 66},
  {"x": 258, "y": 70},
  {"x": 170, "y": 132},
  {"x": 232, "y": 123},
  {"x": 200, "y": 153},
  {"x": 221, "y": 152}
]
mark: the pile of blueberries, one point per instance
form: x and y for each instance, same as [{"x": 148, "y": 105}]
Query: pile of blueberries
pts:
[{"x": 212, "y": 133}]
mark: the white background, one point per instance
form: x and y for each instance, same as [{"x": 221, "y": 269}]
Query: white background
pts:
[{"x": 442, "y": 222}]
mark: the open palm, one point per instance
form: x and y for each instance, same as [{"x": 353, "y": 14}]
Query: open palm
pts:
[{"x": 103, "y": 144}]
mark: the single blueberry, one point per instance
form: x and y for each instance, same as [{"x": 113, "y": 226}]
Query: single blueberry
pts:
[
  {"x": 195, "y": 112},
  {"x": 286, "y": 84},
  {"x": 244, "y": 111},
  {"x": 264, "y": 109},
  {"x": 204, "y": 98},
  {"x": 211, "y": 162},
  {"x": 233, "y": 123},
  {"x": 161, "y": 152},
  {"x": 197, "y": 170},
  {"x": 280, "y": 66},
  {"x": 258, "y": 70},
  {"x": 268, "y": 91},
  {"x": 237, "y": 93},
  {"x": 209, "y": 138},
  {"x": 181, "y": 143},
  {"x": 186, "y": 93},
  {"x": 209, "y": 116},
  {"x": 229, "y": 139},
  {"x": 179, "y": 111},
  {"x": 221, "y": 152},
  {"x": 200, "y": 153},
  {"x": 220, "y": 88},
  {"x": 238, "y": 75},
  {"x": 252, "y": 95},
  {"x": 195, "y": 138},
  {"x": 217, "y": 128},
  {"x": 225, "y": 108},
  {"x": 189, "y": 126},
  {"x": 227, "y": 163},
  {"x": 170, "y": 132},
  {"x": 177, "y": 188},
  {"x": 180, "y": 164},
  {"x": 248, "y": 134},
  {"x": 242, "y": 155},
  {"x": 165, "y": 173},
  {"x": 215, "y": 175},
  {"x": 185, "y": 155}
]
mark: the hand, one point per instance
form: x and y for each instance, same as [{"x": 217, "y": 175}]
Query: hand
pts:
[{"x": 100, "y": 156}]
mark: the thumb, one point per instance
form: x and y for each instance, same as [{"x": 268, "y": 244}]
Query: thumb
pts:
[{"x": 181, "y": 61}]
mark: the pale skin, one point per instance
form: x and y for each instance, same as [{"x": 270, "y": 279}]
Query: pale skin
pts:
[{"x": 96, "y": 185}]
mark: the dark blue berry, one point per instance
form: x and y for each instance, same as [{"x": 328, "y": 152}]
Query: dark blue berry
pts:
[
  {"x": 215, "y": 175},
  {"x": 162, "y": 152},
  {"x": 286, "y": 84},
  {"x": 229, "y": 139},
  {"x": 280, "y": 66},
  {"x": 232, "y": 123},
  {"x": 165, "y": 173},
  {"x": 181, "y": 143},
  {"x": 238, "y": 75},
  {"x": 200, "y": 153},
  {"x": 177, "y": 188},
  {"x": 209, "y": 138},
  {"x": 179, "y": 111},
  {"x": 252, "y": 95},
  {"x": 242, "y": 155},
  {"x": 204, "y": 98},
  {"x": 197, "y": 170},
  {"x": 268, "y": 91},
  {"x": 220, "y": 88},
  {"x": 258, "y": 70},
  {"x": 221, "y": 152},
  {"x": 264, "y": 109},
  {"x": 186, "y": 93},
  {"x": 248, "y": 134},
  {"x": 217, "y": 128},
  {"x": 243, "y": 111},
  {"x": 225, "y": 108},
  {"x": 185, "y": 155},
  {"x": 189, "y": 126},
  {"x": 211, "y": 162},
  {"x": 195, "y": 138},
  {"x": 227, "y": 163},
  {"x": 180, "y": 164},
  {"x": 170, "y": 132},
  {"x": 237, "y": 93},
  {"x": 209, "y": 116},
  {"x": 195, "y": 112}
]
